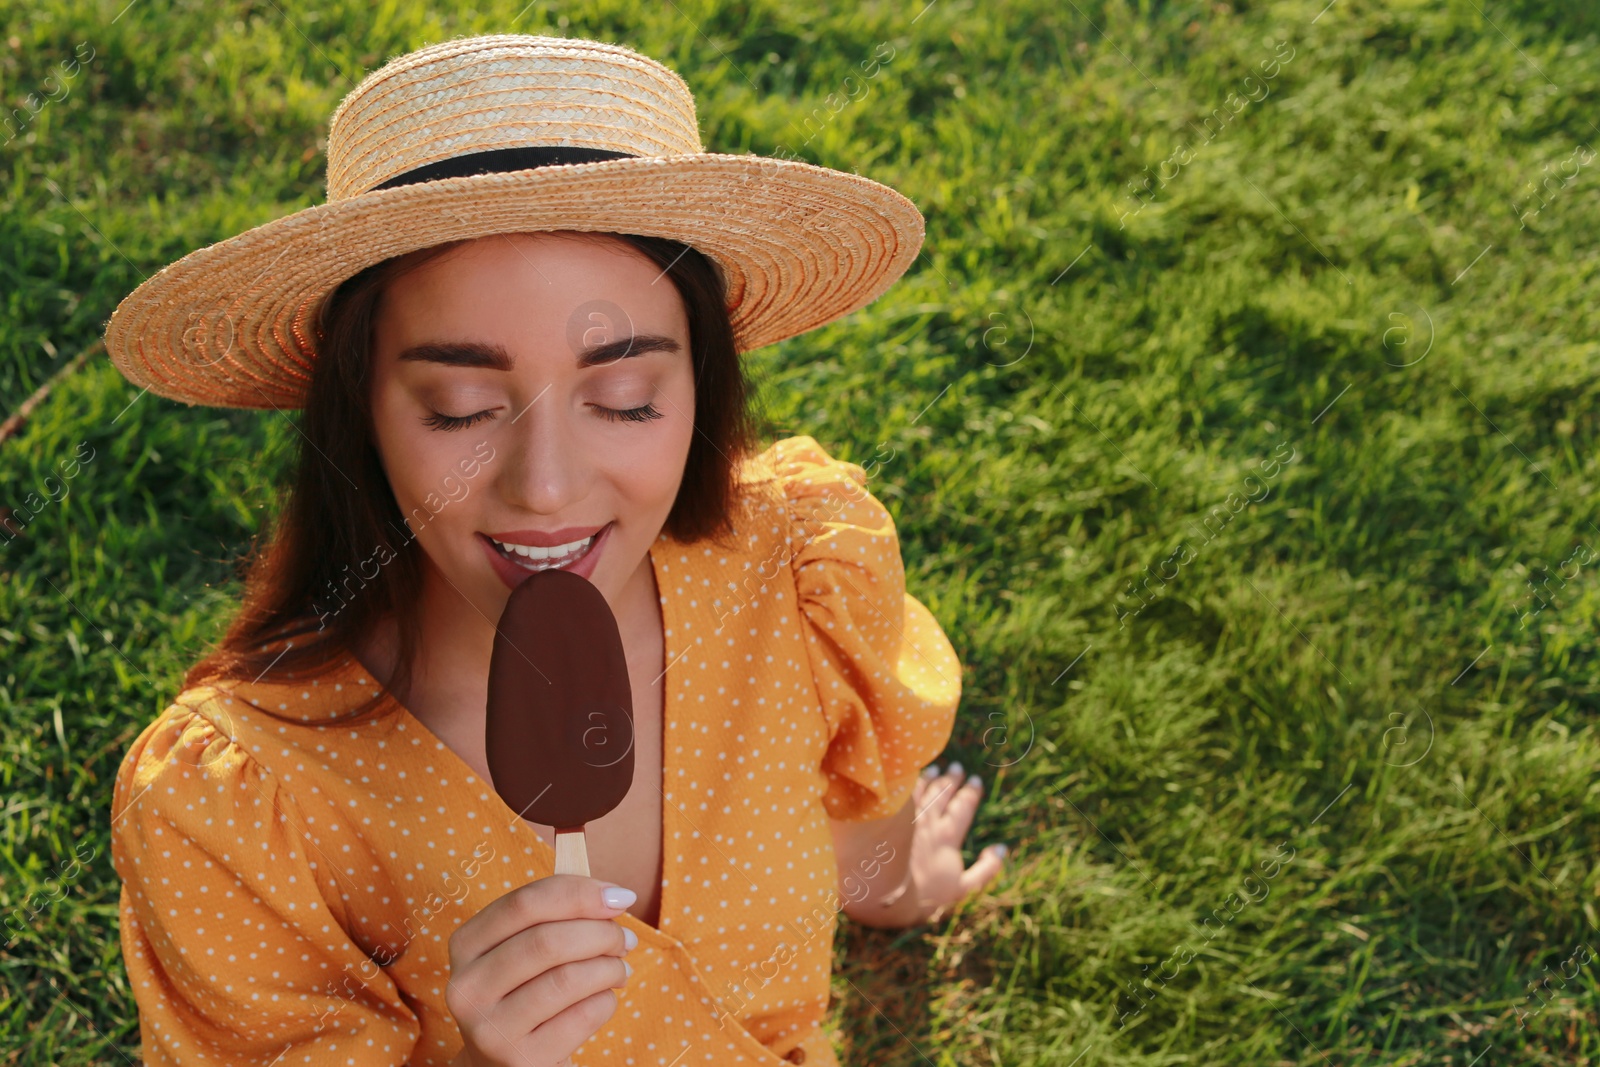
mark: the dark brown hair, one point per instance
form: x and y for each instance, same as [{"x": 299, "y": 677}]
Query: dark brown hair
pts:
[{"x": 327, "y": 532}]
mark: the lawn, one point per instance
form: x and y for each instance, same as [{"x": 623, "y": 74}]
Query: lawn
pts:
[{"x": 1242, "y": 408}]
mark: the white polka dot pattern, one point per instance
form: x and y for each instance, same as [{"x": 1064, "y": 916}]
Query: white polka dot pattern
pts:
[{"x": 289, "y": 889}]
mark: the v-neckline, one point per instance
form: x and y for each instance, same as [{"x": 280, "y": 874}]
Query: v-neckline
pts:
[{"x": 520, "y": 826}]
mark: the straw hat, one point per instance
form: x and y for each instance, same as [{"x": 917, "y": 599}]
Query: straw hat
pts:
[{"x": 485, "y": 135}]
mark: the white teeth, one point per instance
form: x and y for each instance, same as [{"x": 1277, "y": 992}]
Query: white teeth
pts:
[{"x": 559, "y": 553}]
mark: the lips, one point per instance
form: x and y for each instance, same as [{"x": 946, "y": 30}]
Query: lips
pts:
[
  {"x": 545, "y": 538},
  {"x": 515, "y": 555},
  {"x": 534, "y": 555}
]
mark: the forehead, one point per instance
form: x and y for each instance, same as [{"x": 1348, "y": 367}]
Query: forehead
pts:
[{"x": 517, "y": 287}]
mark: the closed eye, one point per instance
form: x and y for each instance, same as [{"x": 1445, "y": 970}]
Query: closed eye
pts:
[
  {"x": 642, "y": 413},
  {"x": 440, "y": 421}
]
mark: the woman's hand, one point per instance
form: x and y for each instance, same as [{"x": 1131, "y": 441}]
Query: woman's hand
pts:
[
  {"x": 939, "y": 879},
  {"x": 922, "y": 875},
  {"x": 532, "y": 974}
]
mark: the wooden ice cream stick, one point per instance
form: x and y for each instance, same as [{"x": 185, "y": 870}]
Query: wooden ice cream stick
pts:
[{"x": 572, "y": 856}]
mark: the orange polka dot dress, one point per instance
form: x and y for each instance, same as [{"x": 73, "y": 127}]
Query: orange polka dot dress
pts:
[{"x": 289, "y": 889}]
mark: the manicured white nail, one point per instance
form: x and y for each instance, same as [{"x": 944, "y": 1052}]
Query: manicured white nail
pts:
[
  {"x": 975, "y": 782},
  {"x": 630, "y": 940},
  {"x": 619, "y": 898},
  {"x": 931, "y": 771},
  {"x": 1001, "y": 850},
  {"x": 955, "y": 769}
]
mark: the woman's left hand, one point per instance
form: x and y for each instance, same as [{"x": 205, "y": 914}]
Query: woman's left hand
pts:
[{"x": 944, "y": 808}]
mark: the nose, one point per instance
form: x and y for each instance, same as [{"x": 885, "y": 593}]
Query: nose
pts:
[{"x": 547, "y": 470}]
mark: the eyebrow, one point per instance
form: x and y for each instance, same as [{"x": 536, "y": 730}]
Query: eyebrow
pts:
[{"x": 495, "y": 357}]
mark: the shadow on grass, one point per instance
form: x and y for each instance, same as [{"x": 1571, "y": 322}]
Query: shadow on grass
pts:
[
  {"x": 882, "y": 991},
  {"x": 899, "y": 997},
  {"x": 1554, "y": 18}
]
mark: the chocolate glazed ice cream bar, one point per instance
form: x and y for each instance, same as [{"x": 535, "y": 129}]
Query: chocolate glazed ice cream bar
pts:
[{"x": 559, "y": 729}]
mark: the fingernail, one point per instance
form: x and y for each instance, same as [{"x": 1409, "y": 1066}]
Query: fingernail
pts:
[
  {"x": 629, "y": 939},
  {"x": 955, "y": 769},
  {"x": 975, "y": 782},
  {"x": 931, "y": 771},
  {"x": 1001, "y": 850},
  {"x": 618, "y": 898},
  {"x": 627, "y": 970}
]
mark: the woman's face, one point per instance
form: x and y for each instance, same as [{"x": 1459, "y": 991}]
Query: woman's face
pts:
[{"x": 537, "y": 391}]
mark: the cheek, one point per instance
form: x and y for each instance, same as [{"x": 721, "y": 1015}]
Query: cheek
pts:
[
  {"x": 399, "y": 450},
  {"x": 679, "y": 434},
  {"x": 422, "y": 470},
  {"x": 654, "y": 467}
]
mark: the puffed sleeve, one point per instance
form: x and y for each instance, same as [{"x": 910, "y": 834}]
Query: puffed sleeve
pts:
[
  {"x": 232, "y": 952},
  {"x": 887, "y": 676}
]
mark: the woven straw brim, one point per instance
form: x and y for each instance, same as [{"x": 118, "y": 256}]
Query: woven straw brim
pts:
[{"x": 233, "y": 324}]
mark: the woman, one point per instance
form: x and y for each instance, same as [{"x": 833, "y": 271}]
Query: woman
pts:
[{"x": 515, "y": 331}]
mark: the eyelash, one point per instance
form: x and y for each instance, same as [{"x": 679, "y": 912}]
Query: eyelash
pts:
[
  {"x": 441, "y": 421},
  {"x": 643, "y": 413}
]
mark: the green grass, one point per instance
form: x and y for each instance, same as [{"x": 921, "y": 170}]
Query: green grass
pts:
[{"x": 1349, "y": 644}]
